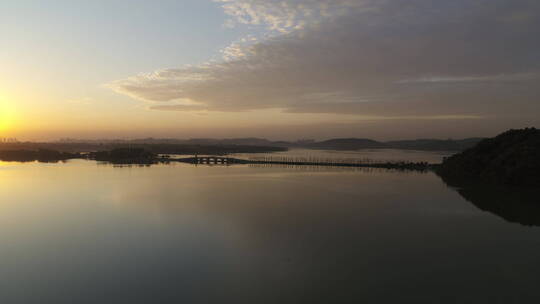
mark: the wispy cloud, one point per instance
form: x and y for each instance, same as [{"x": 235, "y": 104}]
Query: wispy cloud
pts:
[
  {"x": 411, "y": 58},
  {"x": 488, "y": 78},
  {"x": 286, "y": 16}
]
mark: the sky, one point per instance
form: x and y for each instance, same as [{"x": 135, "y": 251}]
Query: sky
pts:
[{"x": 280, "y": 69}]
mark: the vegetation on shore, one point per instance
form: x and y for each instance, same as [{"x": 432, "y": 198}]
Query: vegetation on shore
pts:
[
  {"x": 41, "y": 155},
  {"x": 116, "y": 156},
  {"x": 178, "y": 149},
  {"x": 143, "y": 156},
  {"x": 241, "y": 145},
  {"x": 511, "y": 158},
  {"x": 125, "y": 156}
]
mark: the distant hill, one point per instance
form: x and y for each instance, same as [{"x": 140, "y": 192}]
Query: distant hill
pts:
[
  {"x": 434, "y": 144},
  {"x": 347, "y": 144},
  {"x": 249, "y": 141},
  {"x": 512, "y": 158},
  {"x": 418, "y": 144},
  {"x": 330, "y": 144}
]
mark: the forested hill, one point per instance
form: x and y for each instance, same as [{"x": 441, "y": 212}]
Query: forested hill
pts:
[{"x": 512, "y": 158}]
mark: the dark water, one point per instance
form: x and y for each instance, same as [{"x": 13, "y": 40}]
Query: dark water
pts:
[{"x": 87, "y": 233}]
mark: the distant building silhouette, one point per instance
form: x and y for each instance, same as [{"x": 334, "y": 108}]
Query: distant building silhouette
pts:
[{"x": 8, "y": 140}]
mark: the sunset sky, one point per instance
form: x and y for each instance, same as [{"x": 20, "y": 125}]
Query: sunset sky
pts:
[{"x": 281, "y": 69}]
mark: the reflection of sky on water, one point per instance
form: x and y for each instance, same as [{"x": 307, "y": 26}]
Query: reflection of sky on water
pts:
[
  {"x": 371, "y": 154},
  {"x": 87, "y": 233}
]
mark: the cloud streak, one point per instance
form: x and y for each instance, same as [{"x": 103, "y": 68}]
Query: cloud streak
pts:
[{"x": 384, "y": 58}]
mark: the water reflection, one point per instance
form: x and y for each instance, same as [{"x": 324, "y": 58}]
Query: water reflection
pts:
[
  {"x": 115, "y": 165},
  {"x": 377, "y": 155},
  {"x": 83, "y": 233},
  {"x": 514, "y": 204},
  {"x": 316, "y": 168}
]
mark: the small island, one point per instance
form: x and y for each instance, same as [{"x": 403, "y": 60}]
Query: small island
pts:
[{"x": 125, "y": 156}]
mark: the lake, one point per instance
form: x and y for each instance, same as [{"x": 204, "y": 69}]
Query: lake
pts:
[
  {"x": 376, "y": 155},
  {"x": 82, "y": 232}
]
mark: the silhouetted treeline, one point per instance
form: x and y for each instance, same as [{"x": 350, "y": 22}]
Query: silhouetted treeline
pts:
[
  {"x": 180, "y": 149},
  {"x": 512, "y": 158},
  {"x": 207, "y": 149},
  {"x": 241, "y": 145},
  {"x": 41, "y": 155},
  {"x": 125, "y": 156}
]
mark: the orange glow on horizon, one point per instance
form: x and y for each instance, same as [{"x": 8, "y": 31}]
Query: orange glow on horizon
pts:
[{"x": 7, "y": 116}]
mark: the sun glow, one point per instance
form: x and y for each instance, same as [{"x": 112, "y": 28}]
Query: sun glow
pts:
[{"x": 7, "y": 115}]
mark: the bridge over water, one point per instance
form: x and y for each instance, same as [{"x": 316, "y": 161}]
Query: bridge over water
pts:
[
  {"x": 209, "y": 160},
  {"x": 224, "y": 160}
]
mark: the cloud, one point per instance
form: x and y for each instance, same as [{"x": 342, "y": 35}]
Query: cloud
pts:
[
  {"x": 368, "y": 57},
  {"x": 286, "y": 16},
  {"x": 466, "y": 79}
]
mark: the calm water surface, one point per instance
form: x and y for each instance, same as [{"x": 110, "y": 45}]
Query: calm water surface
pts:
[
  {"x": 379, "y": 155},
  {"x": 86, "y": 233}
]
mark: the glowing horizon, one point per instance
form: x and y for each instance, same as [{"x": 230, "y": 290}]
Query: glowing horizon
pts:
[{"x": 274, "y": 69}]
